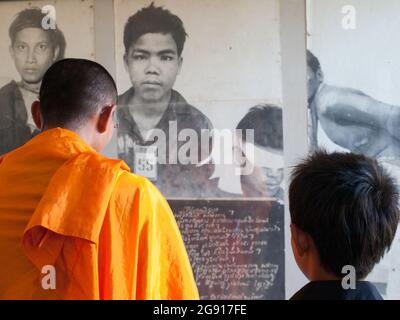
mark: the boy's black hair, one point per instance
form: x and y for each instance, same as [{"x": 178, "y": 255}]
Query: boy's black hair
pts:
[
  {"x": 32, "y": 18},
  {"x": 348, "y": 204},
  {"x": 72, "y": 90},
  {"x": 313, "y": 62},
  {"x": 266, "y": 121},
  {"x": 154, "y": 20}
]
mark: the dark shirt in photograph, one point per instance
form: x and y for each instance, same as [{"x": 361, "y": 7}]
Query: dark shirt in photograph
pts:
[
  {"x": 173, "y": 180},
  {"x": 333, "y": 290},
  {"x": 14, "y": 130}
]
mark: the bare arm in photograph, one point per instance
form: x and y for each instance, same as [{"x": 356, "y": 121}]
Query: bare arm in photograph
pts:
[{"x": 358, "y": 122}]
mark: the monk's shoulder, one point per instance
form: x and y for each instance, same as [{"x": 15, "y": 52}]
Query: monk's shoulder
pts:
[
  {"x": 131, "y": 185},
  {"x": 127, "y": 183},
  {"x": 136, "y": 197}
]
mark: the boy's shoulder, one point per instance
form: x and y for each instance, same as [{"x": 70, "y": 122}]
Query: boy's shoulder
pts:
[
  {"x": 8, "y": 93},
  {"x": 334, "y": 290},
  {"x": 8, "y": 88}
]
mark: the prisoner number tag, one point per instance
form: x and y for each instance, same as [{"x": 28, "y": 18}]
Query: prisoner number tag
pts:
[{"x": 145, "y": 161}]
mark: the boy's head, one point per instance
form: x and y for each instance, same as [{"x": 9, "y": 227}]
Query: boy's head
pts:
[
  {"x": 315, "y": 76},
  {"x": 153, "y": 40},
  {"x": 267, "y": 176},
  {"x": 33, "y": 48},
  {"x": 344, "y": 211},
  {"x": 154, "y": 20}
]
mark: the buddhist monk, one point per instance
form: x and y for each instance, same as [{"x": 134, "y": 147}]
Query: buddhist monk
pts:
[{"x": 75, "y": 224}]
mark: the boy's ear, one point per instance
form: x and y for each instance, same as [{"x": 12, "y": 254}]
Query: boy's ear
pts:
[
  {"x": 125, "y": 58},
  {"x": 320, "y": 75},
  {"x": 10, "y": 49},
  {"x": 180, "y": 61},
  {"x": 300, "y": 239},
  {"x": 56, "y": 53}
]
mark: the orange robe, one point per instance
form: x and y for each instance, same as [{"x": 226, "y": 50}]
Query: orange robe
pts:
[{"x": 108, "y": 233}]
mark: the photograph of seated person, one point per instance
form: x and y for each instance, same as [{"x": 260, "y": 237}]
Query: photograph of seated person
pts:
[
  {"x": 350, "y": 118},
  {"x": 351, "y": 224},
  {"x": 159, "y": 133},
  {"x": 33, "y": 50}
]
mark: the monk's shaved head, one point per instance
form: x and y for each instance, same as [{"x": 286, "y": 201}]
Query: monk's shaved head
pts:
[{"x": 73, "y": 90}]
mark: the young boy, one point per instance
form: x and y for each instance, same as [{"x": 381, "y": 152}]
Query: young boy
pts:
[{"x": 344, "y": 213}]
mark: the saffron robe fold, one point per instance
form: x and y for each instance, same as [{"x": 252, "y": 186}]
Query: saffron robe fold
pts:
[{"x": 109, "y": 234}]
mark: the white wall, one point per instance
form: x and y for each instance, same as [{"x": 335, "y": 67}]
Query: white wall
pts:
[{"x": 293, "y": 41}]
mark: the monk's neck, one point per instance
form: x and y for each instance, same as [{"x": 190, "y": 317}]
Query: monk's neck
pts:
[{"x": 84, "y": 133}]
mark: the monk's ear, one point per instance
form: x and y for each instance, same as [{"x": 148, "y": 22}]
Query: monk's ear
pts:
[
  {"x": 36, "y": 115},
  {"x": 105, "y": 120}
]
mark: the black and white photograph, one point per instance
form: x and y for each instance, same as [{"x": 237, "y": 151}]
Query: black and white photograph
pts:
[
  {"x": 262, "y": 164},
  {"x": 224, "y": 150},
  {"x": 190, "y": 92},
  {"x": 203, "y": 122},
  {"x": 34, "y": 35},
  {"x": 353, "y": 74}
]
